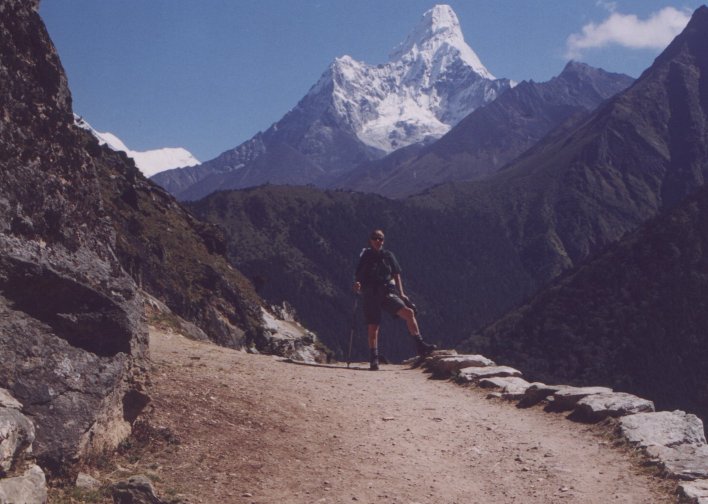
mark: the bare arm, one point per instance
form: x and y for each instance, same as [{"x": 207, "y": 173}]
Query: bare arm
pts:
[{"x": 399, "y": 284}]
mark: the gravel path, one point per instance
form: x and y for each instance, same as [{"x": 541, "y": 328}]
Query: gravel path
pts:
[{"x": 253, "y": 429}]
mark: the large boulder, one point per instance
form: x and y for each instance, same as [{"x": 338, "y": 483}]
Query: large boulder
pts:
[
  {"x": 567, "y": 397},
  {"x": 694, "y": 492},
  {"x": 474, "y": 374},
  {"x": 511, "y": 388},
  {"x": 685, "y": 461},
  {"x": 597, "y": 407},
  {"x": 663, "y": 428},
  {"x": 447, "y": 366}
]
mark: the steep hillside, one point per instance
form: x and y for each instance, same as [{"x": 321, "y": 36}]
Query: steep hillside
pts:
[
  {"x": 173, "y": 256},
  {"x": 491, "y": 136},
  {"x": 635, "y": 318},
  {"x": 301, "y": 245}
]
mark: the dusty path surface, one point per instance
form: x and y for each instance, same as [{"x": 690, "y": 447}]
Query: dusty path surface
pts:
[{"x": 252, "y": 429}]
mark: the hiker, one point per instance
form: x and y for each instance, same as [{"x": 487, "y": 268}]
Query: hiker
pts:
[{"x": 378, "y": 279}]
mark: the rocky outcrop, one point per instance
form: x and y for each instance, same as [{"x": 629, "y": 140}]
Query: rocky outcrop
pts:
[{"x": 71, "y": 336}]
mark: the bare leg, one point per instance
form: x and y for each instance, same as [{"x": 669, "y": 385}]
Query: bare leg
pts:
[
  {"x": 422, "y": 347},
  {"x": 409, "y": 316},
  {"x": 373, "y": 330}
]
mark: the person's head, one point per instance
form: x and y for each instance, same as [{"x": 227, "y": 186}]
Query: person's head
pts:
[{"x": 376, "y": 239}]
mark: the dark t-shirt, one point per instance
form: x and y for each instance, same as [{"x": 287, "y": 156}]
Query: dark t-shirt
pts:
[{"x": 376, "y": 269}]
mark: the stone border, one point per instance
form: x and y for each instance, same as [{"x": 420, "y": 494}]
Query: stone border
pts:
[{"x": 674, "y": 441}]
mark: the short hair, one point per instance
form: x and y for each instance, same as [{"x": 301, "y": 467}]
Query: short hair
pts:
[{"x": 376, "y": 233}]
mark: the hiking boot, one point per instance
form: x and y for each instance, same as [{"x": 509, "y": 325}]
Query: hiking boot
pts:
[
  {"x": 424, "y": 349},
  {"x": 374, "y": 359},
  {"x": 374, "y": 364}
]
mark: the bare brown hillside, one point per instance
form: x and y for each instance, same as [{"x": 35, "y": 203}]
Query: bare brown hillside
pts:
[{"x": 229, "y": 427}]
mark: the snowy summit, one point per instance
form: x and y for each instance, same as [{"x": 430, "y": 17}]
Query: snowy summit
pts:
[
  {"x": 148, "y": 162},
  {"x": 439, "y": 33},
  {"x": 431, "y": 81}
]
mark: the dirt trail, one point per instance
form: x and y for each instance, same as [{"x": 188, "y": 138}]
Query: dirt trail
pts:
[{"x": 256, "y": 430}]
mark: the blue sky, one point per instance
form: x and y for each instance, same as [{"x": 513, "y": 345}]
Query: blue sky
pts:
[{"x": 208, "y": 74}]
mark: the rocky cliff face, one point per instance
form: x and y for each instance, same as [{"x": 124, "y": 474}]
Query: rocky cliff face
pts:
[{"x": 71, "y": 337}]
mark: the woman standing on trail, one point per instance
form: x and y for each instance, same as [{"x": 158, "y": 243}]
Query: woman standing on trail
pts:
[{"x": 378, "y": 279}]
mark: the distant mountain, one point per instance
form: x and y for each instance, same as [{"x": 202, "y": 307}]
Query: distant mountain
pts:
[
  {"x": 634, "y": 318},
  {"x": 148, "y": 162},
  {"x": 357, "y": 112},
  {"x": 473, "y": 250},
  {"x": 492, "y": 135}
]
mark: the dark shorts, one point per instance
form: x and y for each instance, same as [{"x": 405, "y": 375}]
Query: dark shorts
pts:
[{"x": 376, "y": 300}]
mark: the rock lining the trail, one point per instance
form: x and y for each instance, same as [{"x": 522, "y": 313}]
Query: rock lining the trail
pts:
[
  {"x": 445, "y": 365},
  {"x": 672, "y": 440}
]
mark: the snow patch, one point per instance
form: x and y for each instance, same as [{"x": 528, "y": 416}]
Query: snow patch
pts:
[{"x": 148, "y": 162}]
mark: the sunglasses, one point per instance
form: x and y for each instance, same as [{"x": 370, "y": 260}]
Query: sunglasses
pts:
[{"x": 377, "y": 238}]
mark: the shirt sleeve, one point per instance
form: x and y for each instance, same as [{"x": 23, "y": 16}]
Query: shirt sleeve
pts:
[{"x": 395, "y": 267}]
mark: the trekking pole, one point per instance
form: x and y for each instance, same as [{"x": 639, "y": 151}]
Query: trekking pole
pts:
[{"x": 351, "y": 333}]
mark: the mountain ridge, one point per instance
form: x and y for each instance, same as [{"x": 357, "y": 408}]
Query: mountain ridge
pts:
[
  {"x": 356, "y": 112},
  {"x": 493, "y": 135}
]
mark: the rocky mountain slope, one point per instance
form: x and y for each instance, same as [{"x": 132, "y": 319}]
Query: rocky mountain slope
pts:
[
  {"x": 357, "y": 112},
  {"x": 72, "y": 344},
  {"x": 491, "y": 136}
]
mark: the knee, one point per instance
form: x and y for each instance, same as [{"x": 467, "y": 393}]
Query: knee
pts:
[{"x": 406, "y": 313}]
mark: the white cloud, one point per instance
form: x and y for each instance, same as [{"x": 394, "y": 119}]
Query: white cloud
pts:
[
  {"x": 627, "y": 30},
  {"x": 607, "y": 5}
]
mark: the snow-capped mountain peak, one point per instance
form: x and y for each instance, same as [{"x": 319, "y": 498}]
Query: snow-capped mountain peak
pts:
[
  {"x": 358, "y": 112},
  {"x": 430, "y": 83},
  {"x": 148, "y": 162},
  {"x": 439, "y": 32}
]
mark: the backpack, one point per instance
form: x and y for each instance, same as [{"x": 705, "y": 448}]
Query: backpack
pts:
[{"x": 377, "y": 269}]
